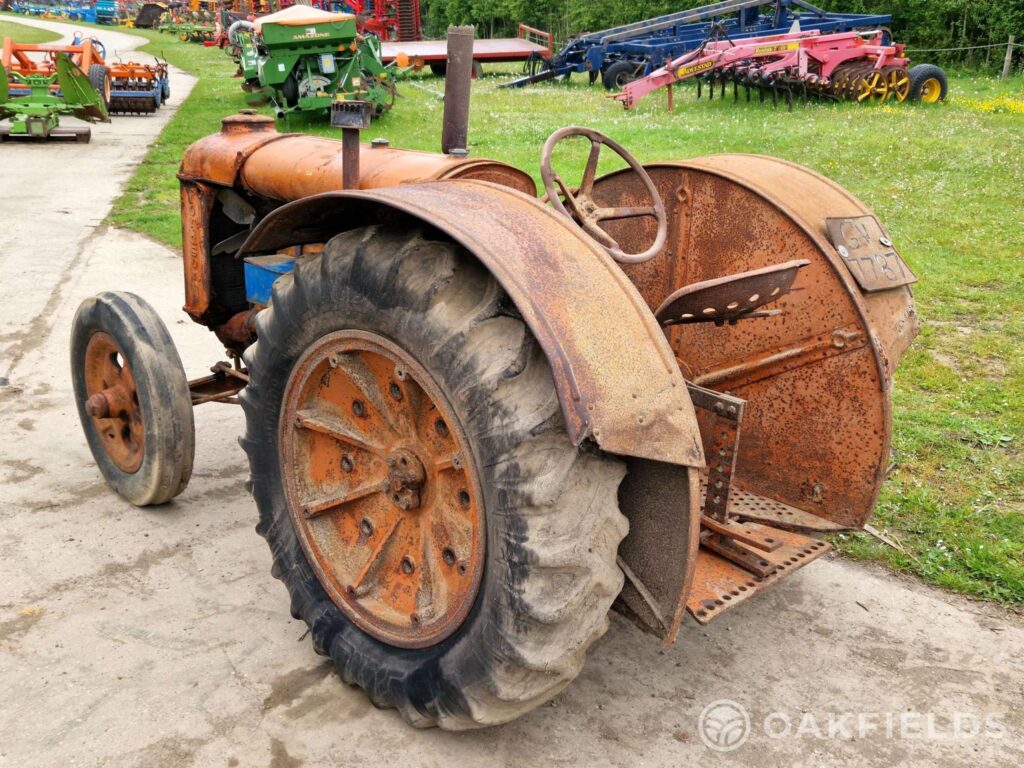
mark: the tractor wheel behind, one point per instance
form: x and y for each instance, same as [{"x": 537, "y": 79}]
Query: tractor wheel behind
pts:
[
  {"x": 928, "y": 84},
  {"x": 133, "y": 398},
  {"x": 100, "y": 81},
  {"x": 449, "y": 547},
  {"x": 618, "y": 75}
]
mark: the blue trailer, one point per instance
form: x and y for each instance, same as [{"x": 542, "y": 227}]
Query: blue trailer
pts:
[{"x": 624, "y": 53}]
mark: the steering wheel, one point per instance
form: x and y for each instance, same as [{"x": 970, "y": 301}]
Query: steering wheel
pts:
[
  {"x": 579, "y": 204},
  {"x": 102, "y": 49}
]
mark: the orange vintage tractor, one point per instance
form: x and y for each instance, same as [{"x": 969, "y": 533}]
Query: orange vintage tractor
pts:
[{"x": 476, "y": 422}]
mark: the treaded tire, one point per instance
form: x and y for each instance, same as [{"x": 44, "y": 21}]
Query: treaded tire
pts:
[
  {"x": 921, "y": 74},
  {"x": 618, "y": 75},
  {"x": 100, "y": 81},
  {"x": 169, "y": 445},
  {"x": 552, "y": 518}
]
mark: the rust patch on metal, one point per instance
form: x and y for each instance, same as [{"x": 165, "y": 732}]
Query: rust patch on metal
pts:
[
  {"x": 196, "y": 205},
  {"x": 382, "y": 488},
  {"x": 821, "y": 368},
  {"x": 719, "y": 584},
  {"x": 113, "y": 402}
]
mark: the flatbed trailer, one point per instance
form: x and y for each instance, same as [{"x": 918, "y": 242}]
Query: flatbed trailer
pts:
[{"x": 529, "y": 43}]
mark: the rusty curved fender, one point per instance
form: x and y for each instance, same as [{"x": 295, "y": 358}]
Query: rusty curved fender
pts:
[{"x": 617, "y": 379}]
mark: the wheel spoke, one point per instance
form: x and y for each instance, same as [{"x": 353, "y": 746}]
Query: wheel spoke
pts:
[
  {"x": 333, "y": 427},
  {"x": 376, "y": 554},
  {"x": 568, "y": 198},
  {"x": 362, "y": 378},
  {"x": 587, "y": 185},
  {"x": 599, "y": 234},
  {"x": 429, "y": 577},
  {"x": 607, "y": 214},
  {"x": 316, "y": 508}
]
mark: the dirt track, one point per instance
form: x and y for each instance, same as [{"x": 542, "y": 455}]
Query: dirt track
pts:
[{"x": 158, "y": 637}]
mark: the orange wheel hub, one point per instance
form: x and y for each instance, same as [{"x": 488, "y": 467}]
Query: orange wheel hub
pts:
[
  {"x": 382, "y": 490},
  {"x": 113, "y": 402}
]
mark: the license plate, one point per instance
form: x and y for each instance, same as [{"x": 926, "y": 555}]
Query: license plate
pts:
[{"x": 868, "y": 253}]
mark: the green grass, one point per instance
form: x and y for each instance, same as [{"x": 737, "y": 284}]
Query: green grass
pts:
[
  {"x": 946, "y": 180},
  {"x": 26, "y": 34}
]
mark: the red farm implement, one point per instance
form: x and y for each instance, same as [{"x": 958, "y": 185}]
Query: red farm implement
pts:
[{"x": 847, "y": 66}]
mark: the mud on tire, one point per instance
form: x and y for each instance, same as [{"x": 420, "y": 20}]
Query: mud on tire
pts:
[{"x": 552, "y": 520}]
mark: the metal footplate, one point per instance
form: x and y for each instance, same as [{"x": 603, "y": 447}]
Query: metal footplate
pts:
[
  {"x": 737, "y": 558},
  {"x": 720, "y": 584}
]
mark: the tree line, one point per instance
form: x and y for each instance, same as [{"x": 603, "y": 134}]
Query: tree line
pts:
[{"x": 919, "y": 23}]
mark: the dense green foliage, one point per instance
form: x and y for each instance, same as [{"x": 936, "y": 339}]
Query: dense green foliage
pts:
[{"x": 921, "y": 23}]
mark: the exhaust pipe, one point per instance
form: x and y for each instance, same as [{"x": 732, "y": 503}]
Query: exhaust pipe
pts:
[{"x": 458, "y": 77}]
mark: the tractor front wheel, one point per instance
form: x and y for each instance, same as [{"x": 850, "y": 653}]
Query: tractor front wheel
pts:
[
  {"x": 449, "y": 547},
  {"x": 133, "y": 398}
]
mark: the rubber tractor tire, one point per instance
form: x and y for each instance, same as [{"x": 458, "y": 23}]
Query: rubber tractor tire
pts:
[
  {"x": 100, "y": 81},
  {"x": 144, "y": 443},
  {"x": 616, "y": 76},
  {"x": 928, "y": 84},
  {"x": 550, "y": 527}
]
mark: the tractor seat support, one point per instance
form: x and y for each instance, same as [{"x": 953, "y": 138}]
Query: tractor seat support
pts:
[{"x": 738, "y": 557}]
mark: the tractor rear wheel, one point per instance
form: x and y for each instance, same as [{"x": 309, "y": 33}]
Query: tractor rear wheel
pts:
[
  {"x": 449, "y": 547},
  {"x": 100, "y": 81},
  {"x": 133, "y": 398}
]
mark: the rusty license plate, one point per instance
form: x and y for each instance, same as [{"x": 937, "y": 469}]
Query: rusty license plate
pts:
[{"x": 868, "y": 253}]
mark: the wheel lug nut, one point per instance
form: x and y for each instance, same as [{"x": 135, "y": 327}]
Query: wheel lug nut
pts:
[
  {"x": 358, "y": 408},
  {"x": 346, "y": 463},
  {"x": 97, "y": 406}
]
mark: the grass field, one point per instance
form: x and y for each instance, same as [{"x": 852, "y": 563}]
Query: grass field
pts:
[
  {"x": 25, "y": 34},
  {"x": 946, "y": 180}
]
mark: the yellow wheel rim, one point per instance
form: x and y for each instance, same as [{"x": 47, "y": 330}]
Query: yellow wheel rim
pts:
[
  {"x": 898, "y": 80},
  {"x": 873, "y": 87},
  {"x": 931, "y": 90}
]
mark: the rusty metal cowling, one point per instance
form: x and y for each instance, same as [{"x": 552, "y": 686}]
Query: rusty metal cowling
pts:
[
  {"x": 248, "y": 154},
  {"x": 817, "y": 378}
]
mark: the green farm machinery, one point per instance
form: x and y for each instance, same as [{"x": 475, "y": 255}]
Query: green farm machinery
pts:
[
  {"x": 35, "y": 92},
  {"x": 305, "y": 59}
]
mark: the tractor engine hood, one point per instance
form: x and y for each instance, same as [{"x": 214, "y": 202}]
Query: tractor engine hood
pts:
[{"x": 250, "y": 153}]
